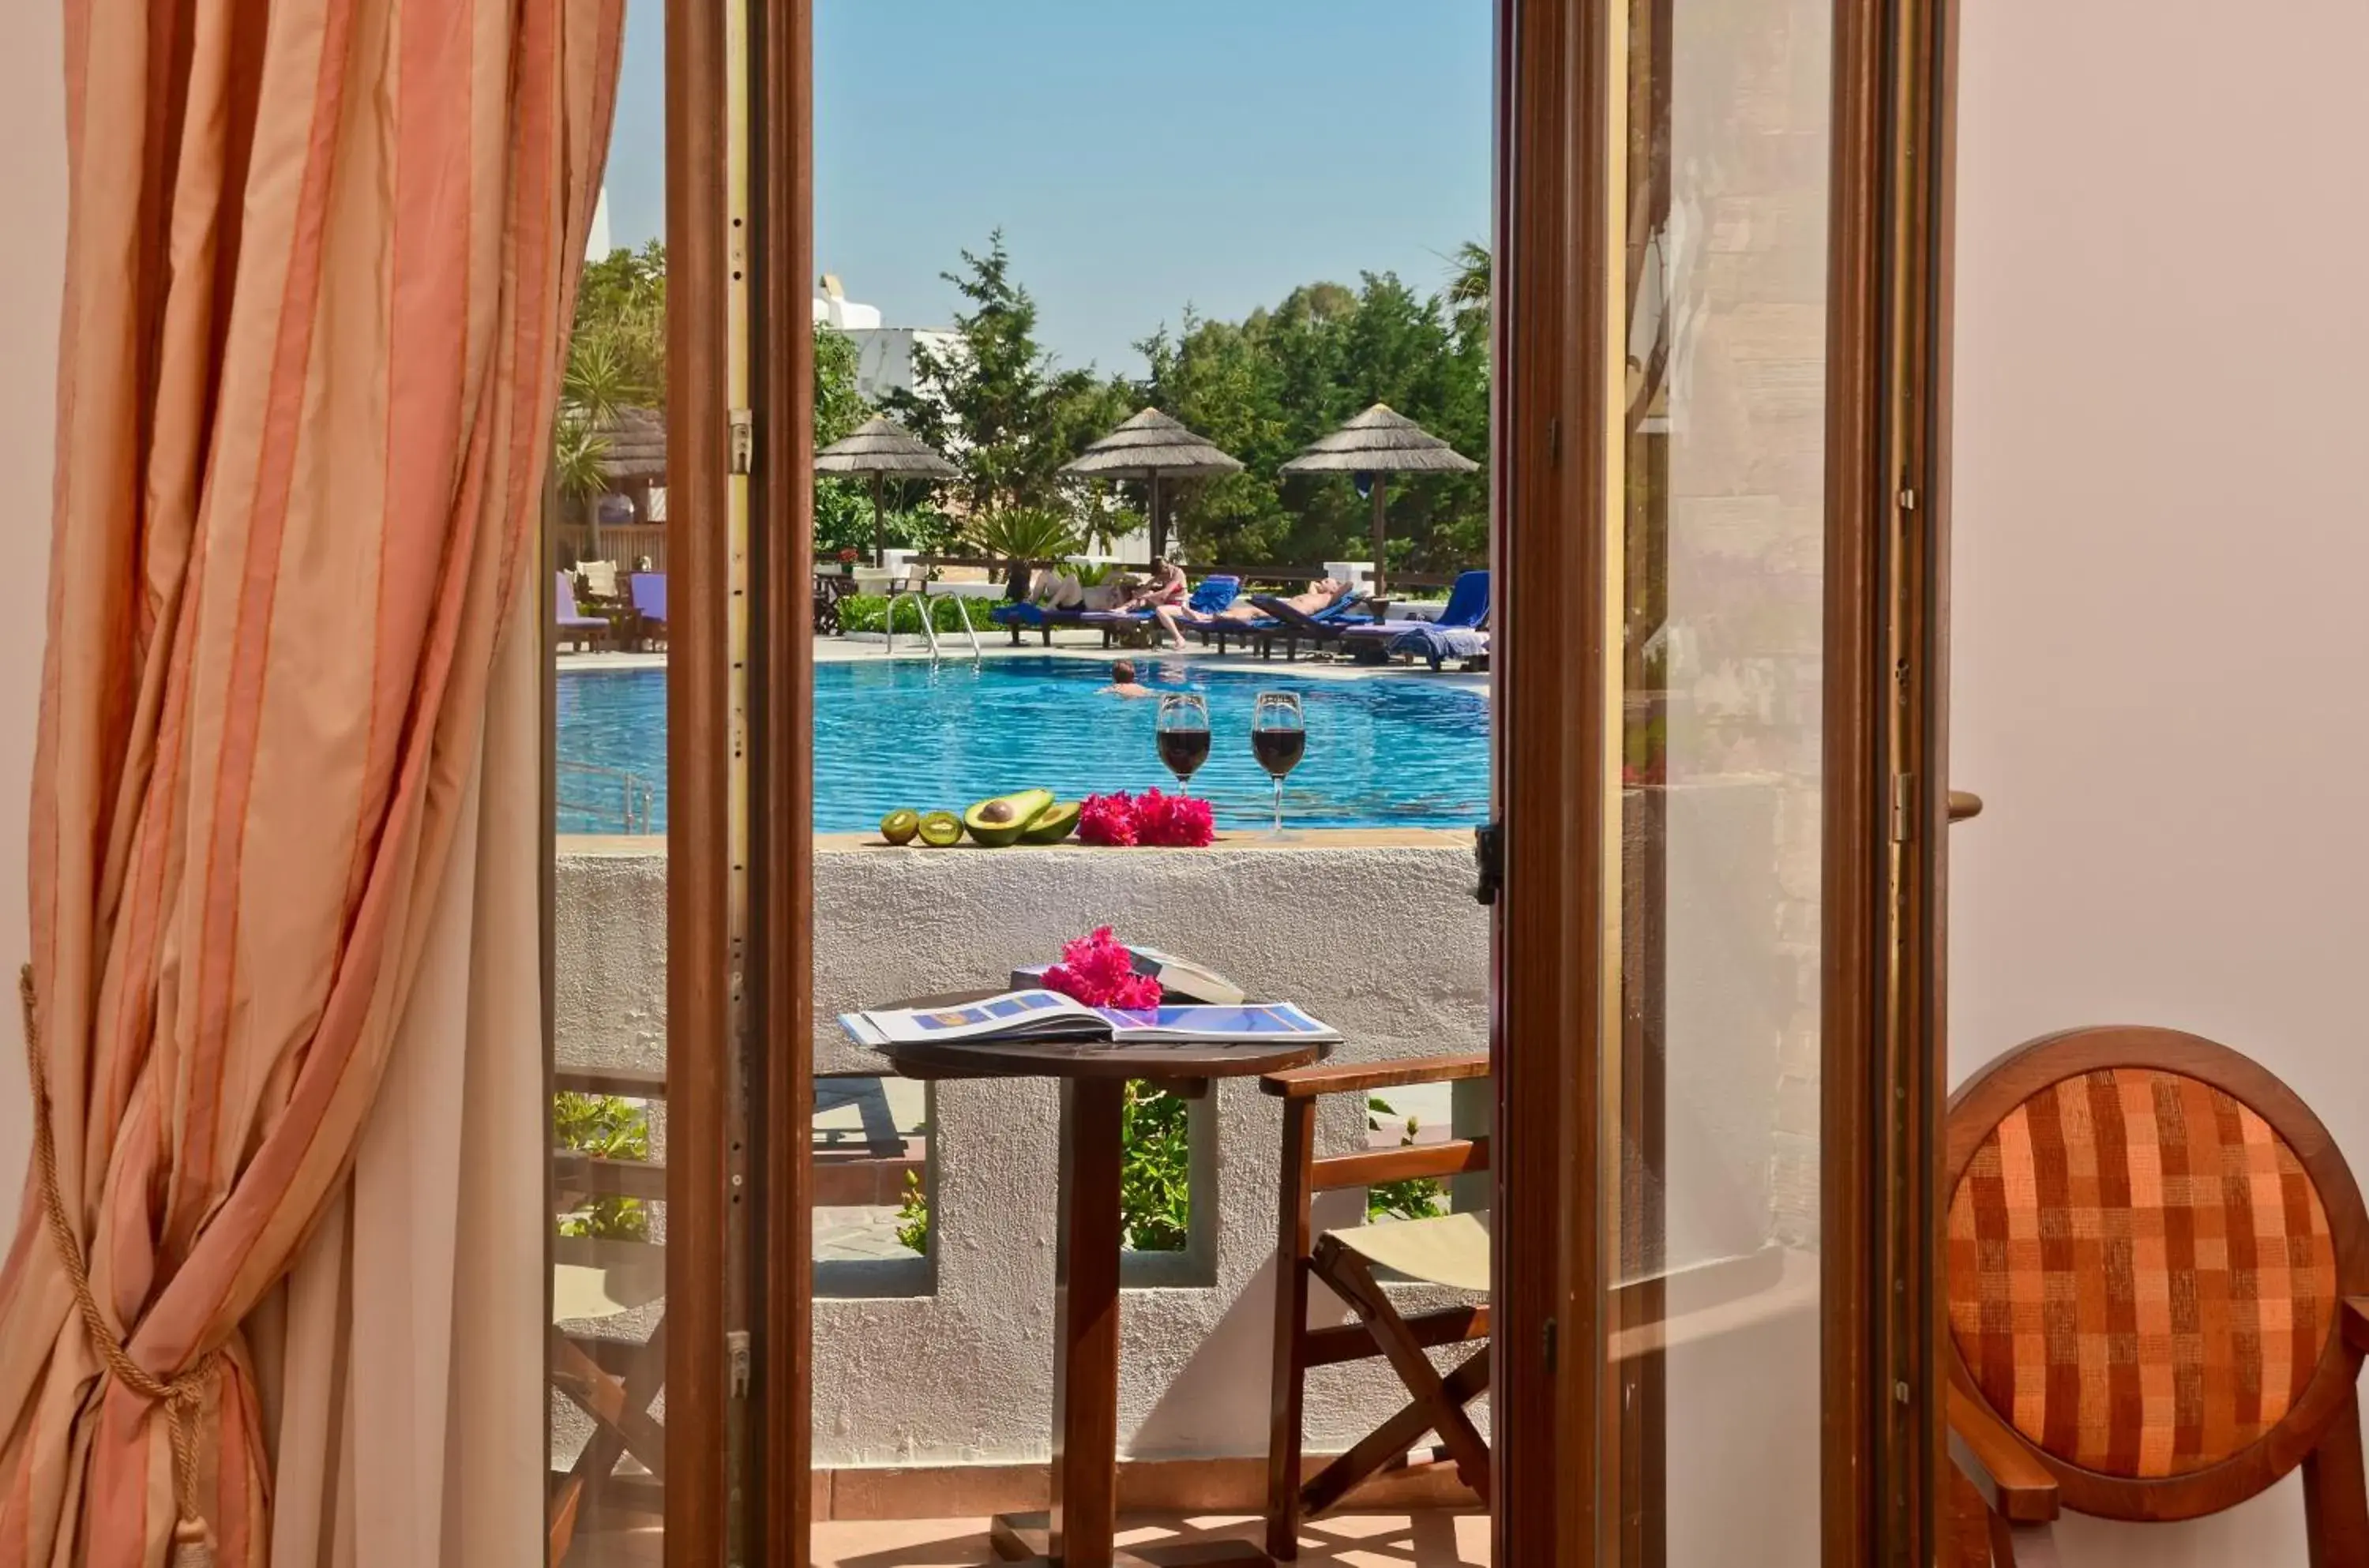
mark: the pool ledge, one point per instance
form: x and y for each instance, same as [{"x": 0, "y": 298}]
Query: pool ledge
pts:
[{"x": 1319, "y": 839}]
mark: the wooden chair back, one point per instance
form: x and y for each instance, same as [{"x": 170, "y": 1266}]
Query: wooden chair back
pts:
[
  {"x": 1298, "y": 1347},
  {"x": 2156, "y": 1254}
]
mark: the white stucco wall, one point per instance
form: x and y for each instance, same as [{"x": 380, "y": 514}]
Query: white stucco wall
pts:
[
  {"x": 1384, "y": 943},
  {"x": 32, "y": 272},
  {"x": 2161, "y": 553}
]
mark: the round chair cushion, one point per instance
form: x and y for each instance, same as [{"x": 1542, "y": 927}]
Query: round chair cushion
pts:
[{"x": 2141, "y": 1276}]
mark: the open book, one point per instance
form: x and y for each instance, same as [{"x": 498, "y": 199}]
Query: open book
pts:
[
  {"x": 1180, "y": 980},
  {"x": 1044, "y": 1014}
]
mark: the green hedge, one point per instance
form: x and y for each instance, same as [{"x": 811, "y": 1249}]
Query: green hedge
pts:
[{"x": 869, "y": 611}]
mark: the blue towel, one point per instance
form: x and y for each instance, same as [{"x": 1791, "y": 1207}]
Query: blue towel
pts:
[
  {"x": 1437, "y": 643},
  {"x": 1215, "y": 594}
]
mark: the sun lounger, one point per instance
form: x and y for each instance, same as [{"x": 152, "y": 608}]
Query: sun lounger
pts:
[
  {"x": 575, "y": 626},
  {"x": 1213, "y": 594},
  {"x": 649, "y": 591},
  {"x": 1295, "y": 625},
  {"x": 1467, "y": 609}
]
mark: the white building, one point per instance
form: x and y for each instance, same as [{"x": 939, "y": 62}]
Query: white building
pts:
[{"x": 884, "y": 354}]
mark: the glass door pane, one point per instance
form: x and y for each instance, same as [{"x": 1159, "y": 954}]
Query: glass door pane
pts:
[
  {"x": 609, "y": 541},
  {"x": 1712, "y": 1217}
]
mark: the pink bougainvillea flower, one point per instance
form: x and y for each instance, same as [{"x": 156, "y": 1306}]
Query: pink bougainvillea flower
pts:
[
  {"x": 1173, "y": 822},
  {"x": 1107, "y": 820},
  {"x": 1190, "y": 824},
  {"x": 1097, "y": 970}
]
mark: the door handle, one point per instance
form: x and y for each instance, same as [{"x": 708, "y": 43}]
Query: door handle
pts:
[{"x": 1965, "y": 804}]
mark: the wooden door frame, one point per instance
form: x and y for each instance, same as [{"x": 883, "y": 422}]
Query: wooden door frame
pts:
[
  {"x": 1560, "y": 70},
  {"x": 701, "y": 965},
  {"x": 1555, "y": 982}
]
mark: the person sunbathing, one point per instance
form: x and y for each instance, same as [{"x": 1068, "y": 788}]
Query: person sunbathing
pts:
[
  {"x": 1323, "y": 594},
  {"x": 1166, "y": 588},
  {"x": 1058, "y": 590}
]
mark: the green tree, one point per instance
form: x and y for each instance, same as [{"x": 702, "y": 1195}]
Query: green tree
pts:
[
  {"x": 998, "y": 406},
  {"x": 842, "y": 507},
  {"x": 619, "y": 343},
  {"x": 1267, "y": 387}
]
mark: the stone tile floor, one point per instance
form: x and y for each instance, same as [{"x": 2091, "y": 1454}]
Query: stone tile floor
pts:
[
  {"x": 1381, "y": 1541},
  {"x": 1430, "y": 1540}
]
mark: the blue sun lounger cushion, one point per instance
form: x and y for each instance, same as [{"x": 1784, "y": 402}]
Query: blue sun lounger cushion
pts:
[{"x": 1215, "y": 594}]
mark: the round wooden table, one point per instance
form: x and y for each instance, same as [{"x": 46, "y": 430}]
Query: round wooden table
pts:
[{"x": 1081, "y": 1529}]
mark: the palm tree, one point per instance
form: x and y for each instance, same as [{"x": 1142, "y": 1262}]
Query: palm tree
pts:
[
  {"x": 600, "y": 380},
  {"x": 577, "y": 450},
  {"x": 1468, "y": 278}
]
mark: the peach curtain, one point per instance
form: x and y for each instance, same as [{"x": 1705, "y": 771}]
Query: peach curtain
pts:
[{"x": 321, "y": 257}]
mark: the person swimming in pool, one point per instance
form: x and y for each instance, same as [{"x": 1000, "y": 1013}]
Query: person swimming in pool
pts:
[
  {"x": 1124, "y": 683},
  {"x": 1323, "y": 594}
]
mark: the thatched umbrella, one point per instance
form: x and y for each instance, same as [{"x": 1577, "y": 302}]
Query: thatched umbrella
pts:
[
  {"x": 632, "y": 459},
  {"x": 882, "y": 448},
  {"x": 1380, "y": 441},
  {"x": 1152, "y": 446}
]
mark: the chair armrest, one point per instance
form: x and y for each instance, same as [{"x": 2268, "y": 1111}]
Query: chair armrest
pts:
[
  {"x": 2014, "y": 1485},
  {"x": 2355, "y": 1318},
  {"x": 1304, "y": 1083}
]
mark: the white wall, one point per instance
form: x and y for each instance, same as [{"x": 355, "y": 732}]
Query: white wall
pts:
[
  {"x": 2161, "y": 558},
  {"x": 32, "y": 270}
]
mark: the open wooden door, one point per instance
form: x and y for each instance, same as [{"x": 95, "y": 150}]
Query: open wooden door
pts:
[{"x": 1721, "y": 534}]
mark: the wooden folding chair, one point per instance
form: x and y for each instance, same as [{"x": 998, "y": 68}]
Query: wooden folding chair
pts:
[
  {"x": 2159, "y": 1292},
  {"x": 1449, "y": 1250},
  {"x": 613, "y": 1381}
]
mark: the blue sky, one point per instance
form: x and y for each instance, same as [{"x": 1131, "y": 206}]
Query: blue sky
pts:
[{"x": 1138, "y": 154}]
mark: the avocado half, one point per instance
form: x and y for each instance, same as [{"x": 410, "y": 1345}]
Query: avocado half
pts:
[
  {"x": 899, "y": 825},
  {"x": 1052, "y": 824},
  {"x": 1001, "y": 821},
  {"x": 941, "y": 830}
]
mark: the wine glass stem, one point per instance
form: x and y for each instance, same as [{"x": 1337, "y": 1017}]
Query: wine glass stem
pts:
[{"x": 1279, "y": 802}]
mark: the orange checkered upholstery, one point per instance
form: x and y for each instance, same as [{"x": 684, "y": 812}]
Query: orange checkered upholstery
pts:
[{"x": 2142, "y": 1279}]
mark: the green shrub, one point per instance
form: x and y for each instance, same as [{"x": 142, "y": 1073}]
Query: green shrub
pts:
[
  {"x": 1416, "y": 1198},
  {"x": 605, "y": 1126},
  {"x": 1154, "y": 1182},
  {"x": 869, "y": 612},
  {"x": 913, "y": 1216}
]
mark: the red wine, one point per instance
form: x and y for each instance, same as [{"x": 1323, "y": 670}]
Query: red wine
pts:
[
  {"x": 1279, "y": 750},
  {"x": 1184, "y": 750}
]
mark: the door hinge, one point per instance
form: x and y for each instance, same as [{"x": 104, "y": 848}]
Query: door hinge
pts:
[
  {"x": 744, "y": 440},
  {"x": 1489, "y": 857},
  {"x": 735, "y": 1356},
  {"x": 1903, "y": 808}
]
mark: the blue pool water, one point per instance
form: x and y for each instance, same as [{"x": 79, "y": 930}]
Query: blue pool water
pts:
[{"x": 1383, "y": 751}]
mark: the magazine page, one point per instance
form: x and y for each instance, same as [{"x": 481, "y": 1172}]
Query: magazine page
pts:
[
  {"x": 1277, "y": 1021},
  {"x": 1012, "y": 1013}
]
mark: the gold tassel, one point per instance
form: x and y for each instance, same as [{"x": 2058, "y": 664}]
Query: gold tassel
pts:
[
  {"x": 184, "y": 1398},
  {"x": 193, "y": 1545}
]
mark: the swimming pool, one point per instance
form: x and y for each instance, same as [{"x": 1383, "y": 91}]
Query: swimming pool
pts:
[{"x": 1383, "y": 751}]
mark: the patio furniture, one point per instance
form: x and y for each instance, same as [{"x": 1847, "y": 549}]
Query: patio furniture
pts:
[
  {"x": 614, "y": 1379},
  {"x": 1467, "y": 609},
  {"x": 600, "y": 578},
  {"x": 573, "y": 624},
  {"x": 1296, "y": 625},
  {"x": 1080, "y": 1531},
  {"x": 2158, "y": 1295},
  {"x": 650, "y": 597},
  {"x": 1450, "y": 1250},
  {"x": 829, "y": 587}
]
